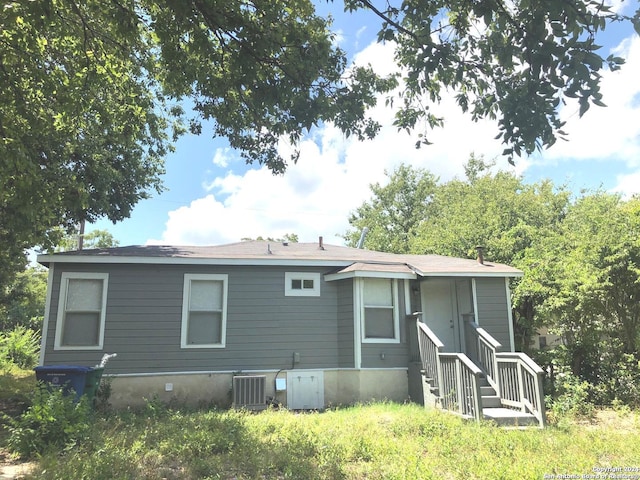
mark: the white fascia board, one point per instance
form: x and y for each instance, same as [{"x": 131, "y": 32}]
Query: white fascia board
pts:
[
  {"x": 89, "y": 259},
  {"x": 330, "y": 277},
  {"x": 47, "y": 314},
  {"x": 473, "y": 274}
]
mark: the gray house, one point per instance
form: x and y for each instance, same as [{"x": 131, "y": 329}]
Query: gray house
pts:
[{"x": 305, "y": 325}]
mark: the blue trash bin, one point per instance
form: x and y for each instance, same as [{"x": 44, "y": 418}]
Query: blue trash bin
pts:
[{"x": 70, "y": 378}]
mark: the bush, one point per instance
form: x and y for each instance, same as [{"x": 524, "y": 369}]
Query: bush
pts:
[
  {"x": 20, "y": 346},
  {"x": 53, "y": 422},
  {"x": 573, "y": 397}
]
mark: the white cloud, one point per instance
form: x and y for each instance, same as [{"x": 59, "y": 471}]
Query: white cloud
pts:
[
  {"x": 628, "y": 185},
  {"x": 222, "y": 157},
  {"x": 333, "y": 174},
  {"x": 606, "y": 133},
  {"x": 331, "y": 179}
]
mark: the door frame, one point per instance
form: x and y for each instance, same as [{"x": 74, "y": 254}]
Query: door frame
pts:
[{"x": 455, "y": 320}]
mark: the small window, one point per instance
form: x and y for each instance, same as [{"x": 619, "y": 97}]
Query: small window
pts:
[
  {"x": 204, "y": 311},
  {"x": 301, "y": 284},
  {"x": 543, "y": 341},
  {"x": 380, "y": 310},
  {"x": 81, "y": 311}
]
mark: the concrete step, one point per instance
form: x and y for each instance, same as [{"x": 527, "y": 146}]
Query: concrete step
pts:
[
  {"x": 491, "y": 401},
  {"x": 508, "y": 417}
]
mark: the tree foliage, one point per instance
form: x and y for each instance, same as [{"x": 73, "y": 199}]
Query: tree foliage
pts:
[
  {"x": 22, "y": 300},
  {"x": 287, "y": 238},
  {"x": 395, "y": 211},
  {"x": 516, "y": 62},
  {"x": 580, "y": 257},
  {"x": 413, "y": 213},
  {"x": 589, "y": 271},
  {"x": 82, "y": 133},
  {"x": 93, "y": 239},
  {"x": 92, "y": 93}
]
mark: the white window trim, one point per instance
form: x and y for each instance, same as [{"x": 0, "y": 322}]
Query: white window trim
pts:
[
  {"x": 396, "y": 315},
  {"x": 62, "y": 301},
  {"x": 304, "y": 292},
  {"x": 186, "y": 292}
]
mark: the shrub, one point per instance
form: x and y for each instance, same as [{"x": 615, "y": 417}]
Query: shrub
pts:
[
  {"x": 53, "y": 422},
  {"x": 20, "y": 346},
  {"x": 573, "y": 397}
]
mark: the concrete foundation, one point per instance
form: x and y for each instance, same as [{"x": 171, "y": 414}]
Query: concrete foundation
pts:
[{"x": 341, "y": 387}]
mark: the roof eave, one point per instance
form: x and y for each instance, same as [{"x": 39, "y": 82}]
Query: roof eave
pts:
[
  {"x": 330, "y": 277},
  {"x": 46, "y": 260},
  {"x": 515, "y": 274}
]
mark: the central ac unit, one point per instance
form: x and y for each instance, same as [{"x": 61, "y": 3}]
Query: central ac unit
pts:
[{"x": 249, "y": 392}]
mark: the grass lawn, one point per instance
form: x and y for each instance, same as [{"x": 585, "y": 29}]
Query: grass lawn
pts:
[{"x": 378, "y": 441}]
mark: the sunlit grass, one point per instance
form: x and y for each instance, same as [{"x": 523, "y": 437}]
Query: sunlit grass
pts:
[{"x": 378, "y": 441}]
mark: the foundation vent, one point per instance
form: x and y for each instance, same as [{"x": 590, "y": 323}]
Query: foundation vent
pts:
[{"x": 249, "y": 392}]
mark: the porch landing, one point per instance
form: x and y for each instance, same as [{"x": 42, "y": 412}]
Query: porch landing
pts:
[{"x": 507, "y": 417}]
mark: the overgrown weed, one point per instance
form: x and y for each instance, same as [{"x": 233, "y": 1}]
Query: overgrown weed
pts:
[{"x": 377, "y": 441}]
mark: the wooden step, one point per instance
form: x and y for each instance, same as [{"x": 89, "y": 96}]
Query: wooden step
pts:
[
  {"x": 491, "y": 401},
  {"x": 507, "y": 417},
  {"x": 487, "y": 391}
]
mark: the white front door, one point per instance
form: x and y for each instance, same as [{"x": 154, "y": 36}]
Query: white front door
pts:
[{"x": 439, "y": 311}]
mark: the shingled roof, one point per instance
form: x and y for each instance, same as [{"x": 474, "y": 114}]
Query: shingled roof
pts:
[{"x": 345, "y": 259}]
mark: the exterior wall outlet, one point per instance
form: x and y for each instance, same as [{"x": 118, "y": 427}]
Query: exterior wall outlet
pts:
[
  {"x": 168, "y": 387},
  {"x": 296, "y": 357}
]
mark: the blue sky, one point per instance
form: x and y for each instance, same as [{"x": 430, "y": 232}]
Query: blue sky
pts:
[{"x": 213, "y": 197}]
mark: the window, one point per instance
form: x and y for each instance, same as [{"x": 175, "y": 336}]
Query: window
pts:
[
  {"x": 380, "y": 310},
  {"x": 81, "y": 311},
  {"x": 301, "y": 284},
  {"x": 204, "y": 311}
]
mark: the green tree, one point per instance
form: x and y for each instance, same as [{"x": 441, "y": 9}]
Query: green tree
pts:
[
  {"x": 94, "y": 239},
  {"x": 288, "y": 237},
  {"x": 395, "y": 211},
  {"x": 93, "y": 92},
  {"x": 91, "y": 95},
  {"x": 498, "y": 211},
  {"x": 415, "y": 214},
  {"x": 82, "y": 133},
  {"x": 22, "y": 300},
  {"x": 590, "y": 269}
]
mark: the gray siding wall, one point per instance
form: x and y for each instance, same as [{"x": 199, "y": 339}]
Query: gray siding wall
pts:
[
  {"x": 345, "y": 324},
  {"x": 264, "y": 328},
  {"x": 395, "y": 354},
  {"x": 493, "y": 314}
]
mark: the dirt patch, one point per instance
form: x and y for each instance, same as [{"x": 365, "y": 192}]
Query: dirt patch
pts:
[
  {"x": 16, "y": 471},
  {"x": 620, "y": 421},
  {"x": 13, "y": 469}
]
